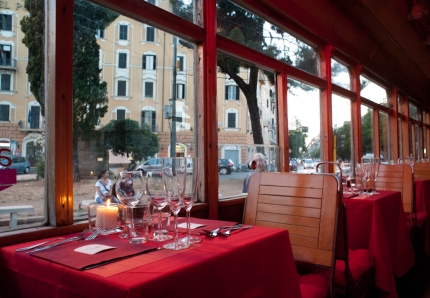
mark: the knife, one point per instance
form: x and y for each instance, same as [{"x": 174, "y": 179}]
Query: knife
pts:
[{"x": 37, "y": 245}]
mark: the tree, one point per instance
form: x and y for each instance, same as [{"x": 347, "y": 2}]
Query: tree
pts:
[
  {"x": 89, "y": 93},
  {"x": 248, "y": 29},
  {"x": 343, "y": 139},
  {"x": 125, "y": 137},
  {"x": 297, "y": 140},
  {"x": 366, "y": 130}
]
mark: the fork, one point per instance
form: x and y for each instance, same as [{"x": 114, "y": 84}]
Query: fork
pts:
[
  {"x": 227, "y": 233},
  {"x": 94, "y": 234},
  {"x": 79, "y": 236},
  {"x": 37, "y": 245}
]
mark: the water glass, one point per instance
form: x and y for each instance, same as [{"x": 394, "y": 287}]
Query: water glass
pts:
[
  {"x": 137, "y": 222},
  {"x": 165, "y": 223}
]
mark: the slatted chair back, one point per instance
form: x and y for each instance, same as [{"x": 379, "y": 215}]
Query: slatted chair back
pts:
[
  {"x": 304, "y": 204},
  {"x": 422, "y": 170},
  {"x": 397, "y": 177}
]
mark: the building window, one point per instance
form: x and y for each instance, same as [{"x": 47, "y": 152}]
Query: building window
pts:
[
  {"x": 180, "y": 63},
  {"x": 151, "y": 1},
  {"x": 231, "y": 120},
  {"x": 150, "y": 34},
  {"x": 180, "y": 91},
  {"x": 231, "y": 93},
  {"x": 123, "y": 31},
  {"x": 122, "y": 60},
  {"x": 5, "y": 82},
  {"x": 122, "y": 88},
  {"x": 6, "y": 22},
  {"x": 4, "y": 112},
  {"x": 120, "y": 114},
  {"x": 100, "y": 33},
  {"x": 149, "y": 89},
  {"x": 34, "y": 117},
  {"x": 5, "y": 55},
  {"x": 178, "y": 117},
  {"x": 148, "y": 118},
  {"x": 149, "y": 62},
  {"x": 267, "y": 103}
]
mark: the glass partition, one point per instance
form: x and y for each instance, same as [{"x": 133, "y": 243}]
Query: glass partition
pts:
[
  {"x": 140, "y": 106},
  {"x": 22, "y": 110},
  {"x": 247, "y": 117},
  {"x": 340, "y": 75},
  {"x": 373, "y": 92},
  {"x": 367, "y": 130},
  {"x": 341, "y": 116},
  {"x": 413, "y": 112},
  {"x": 244, "y": 27}
]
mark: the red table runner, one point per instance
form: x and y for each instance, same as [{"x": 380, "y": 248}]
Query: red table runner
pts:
[
  {"x": 378, "y": 223},
  {"x": 254, "y": 263}
]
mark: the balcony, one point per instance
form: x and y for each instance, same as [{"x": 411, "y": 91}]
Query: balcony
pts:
[
  {"x": 24, "y": 126},
  {"x": 8, "y": 63}
]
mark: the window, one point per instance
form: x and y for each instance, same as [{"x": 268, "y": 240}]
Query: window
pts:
[
  {"x": 150, "y": 34},
  {"x": 6, "y": 55},
  {"x": 267, "y": 103},
  {"x": 231, "y": 120},
  {"x": 180, "y": 63},
  {"x": 231, "y": 93},
  {"x": 178, "y": 117},
  {"x": 180, "y": 92},
  {"x": 148, "y": 118},
  {"x": 4, "y": 112},
  {"x": 100, "y": 33},
  {"x": 151, "y": 1},
  {"x": 122, "y": 60},
  {"x": 5, "y": 82},
  {"x": 122, "y": 88},
  {"x": 6, "y": 22},
  {"x": 34, "y": 117},
  {"x": 149, "y": 89},
  {"x": 149, "y": 62},
  {"x": 120, "y": 114},
  {"x": 123, "y": 32}
]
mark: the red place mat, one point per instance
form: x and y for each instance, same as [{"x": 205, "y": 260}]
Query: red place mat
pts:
[{"x": 65, "y": 254}]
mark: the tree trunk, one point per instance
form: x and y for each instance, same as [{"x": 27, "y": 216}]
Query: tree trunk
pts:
[{"x": 76, "y": 175}]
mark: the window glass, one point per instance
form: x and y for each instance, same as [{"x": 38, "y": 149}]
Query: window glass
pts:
[
  {"x": 367, "y": 130},
  {"x": 303, "y": 125},
  {"x": 241, "y": 26},
  {"x": 126, "y": 132},
  {"x": 341, "y": 113},
  {"x": 413, "y": 112},
  {"x": 180, "y": 63},
  {"x": 340, "y": 75},
  {"x": 399, "y": 103},
  {"x": 243, "y": 123},
  {"x": 384, "y": 137},
  {"x": 425, "y": 144},
  {"x": 150, "y": 35},
  {"x": 373, "y": 92},
  {"x": 399, "y": 123},
  {"x": 21, "y": 91},
  {"x": 181, "y": 91},
  {"x": 185, "y": 9},
  {"x": 417, "y": 145}
]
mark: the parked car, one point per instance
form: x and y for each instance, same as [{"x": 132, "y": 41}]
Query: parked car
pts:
[
  {"x": 308, "y": 164},
  {"x": 150, "y": 165},
  {"x": 20, "y": 163},
  {"x": 225, "y": 166}
]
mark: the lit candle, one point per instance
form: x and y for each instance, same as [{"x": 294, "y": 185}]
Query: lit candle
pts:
[{"x": 107, "y": 216}]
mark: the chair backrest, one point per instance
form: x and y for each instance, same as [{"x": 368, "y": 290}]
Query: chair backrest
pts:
[
  {"x": 304, "y": 204},
  {"x": 397, "y": 177},
  {"x": 422, "y": 170}
]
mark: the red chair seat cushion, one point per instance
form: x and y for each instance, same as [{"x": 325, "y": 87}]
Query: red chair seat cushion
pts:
[
  {"x": 420, "y": 219},
  {"x": 359, "y": 262},
  {"x": 313, "y": 286}
]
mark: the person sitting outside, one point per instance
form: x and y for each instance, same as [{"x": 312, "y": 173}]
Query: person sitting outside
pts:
[
  {"x": 258, "y": 164},
  {"x": 104, "y": 189}
]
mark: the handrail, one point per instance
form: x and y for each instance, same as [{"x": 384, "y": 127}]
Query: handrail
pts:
[{"x": 340, "y": 189}]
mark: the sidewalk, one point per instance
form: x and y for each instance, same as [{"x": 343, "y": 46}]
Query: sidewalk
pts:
[{"x": 26, "y": 177}]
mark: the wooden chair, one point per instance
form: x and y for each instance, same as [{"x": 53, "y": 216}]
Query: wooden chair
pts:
[
  {"x": 305, "y": 205},
  {"x": 422, "y": 170}
]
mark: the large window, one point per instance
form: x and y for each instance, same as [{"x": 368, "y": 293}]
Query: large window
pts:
[
  {"x": 6, "y": 22},
  {"x": 123, "y": 32},
  {"x": 4, "y": 112},
  {"x": 6, "y": 55},
  {"x": 367, "y": 130},
  {"x": 232, "y": 92},
  {"x": 373, "y": 91},
  {"x": 122, "y": 60},
  {"x": 5, "y": 82},
  {"x": 340, "y": 75},
  {"x": 149, "y": 89},
  {"x": 149, "y": 62},
  {"x": 122, "y": 88},
  {"x": 341, "y": 128},
  {"x": 384, "y": 137},
  {"x": 150, "y": 34},
  {"x": 148, "y": 118}
]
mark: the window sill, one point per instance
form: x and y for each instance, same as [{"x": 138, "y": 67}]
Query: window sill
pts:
[
  {"x": 232, "y": 129},
  {"x": 7, "y": 92},
  {"x": 117, "y": 97}
]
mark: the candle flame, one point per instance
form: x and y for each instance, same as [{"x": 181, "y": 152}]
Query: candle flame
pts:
[{"x": 108, "y": 203}]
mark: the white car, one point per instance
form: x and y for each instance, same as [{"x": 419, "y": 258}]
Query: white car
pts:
[{"x": 308, "y": 164}]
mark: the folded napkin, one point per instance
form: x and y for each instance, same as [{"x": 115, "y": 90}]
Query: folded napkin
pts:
[
  {"x": 66, "y": 254},
  {"x": 208, "y": 224}
]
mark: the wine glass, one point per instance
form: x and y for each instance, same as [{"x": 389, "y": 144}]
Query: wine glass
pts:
[
  {"x": 128, "y": 188},
  {"x": 367, "y": 171},
  {"x": 376, "y": 163},
  {"x": 190, "y": 195},
  {"x": 157, "y": 196},
  {"x": 174, "y": 183},
  {"x": 359, "y": 173}
]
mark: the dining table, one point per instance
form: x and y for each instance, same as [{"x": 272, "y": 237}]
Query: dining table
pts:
[
  {"x": 377, "y": 223},
  {"x": 256, "y": 262},
  {"x": 422, "y": 200}
]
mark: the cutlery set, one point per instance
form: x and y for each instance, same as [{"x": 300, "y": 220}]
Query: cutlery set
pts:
[
  {"x": 81, "y": 236},
  {"x": 224, "y": 231}
]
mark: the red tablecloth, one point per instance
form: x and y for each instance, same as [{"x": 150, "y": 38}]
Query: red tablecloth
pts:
[
  {"x": 254, "y": 263},
  {"x": 378, "y": 223},
  {"x": 422, "y": 195}
]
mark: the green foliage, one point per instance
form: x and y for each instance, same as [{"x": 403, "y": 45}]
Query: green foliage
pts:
[
  {"x": 125, "y": 137},
  {"x": 297, "y": 140},
  {"x": 40, "y": 169},
  {"x": 366, "y": 130},
  {"x": 343, "y": 141}
]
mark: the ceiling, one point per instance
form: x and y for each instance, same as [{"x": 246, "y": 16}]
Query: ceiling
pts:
[{"x": 376, "y": 34}]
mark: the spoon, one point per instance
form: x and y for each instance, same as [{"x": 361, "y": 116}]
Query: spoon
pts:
[
  {"x": 227, "y": 233},
  {"x": 215, "y": 232}
]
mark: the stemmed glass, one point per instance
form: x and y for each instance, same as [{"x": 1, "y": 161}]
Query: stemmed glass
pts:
[
  {"x": 190, "y": 195},
  {"x": 156, "y": 194},
  {"x": 174, "y": 183},
  {"x": 375, "y": 172},
  {"x": 367, "y": 170},
  {"x": 359, "y": 173},
  {"x": 129, "y": 186}
]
